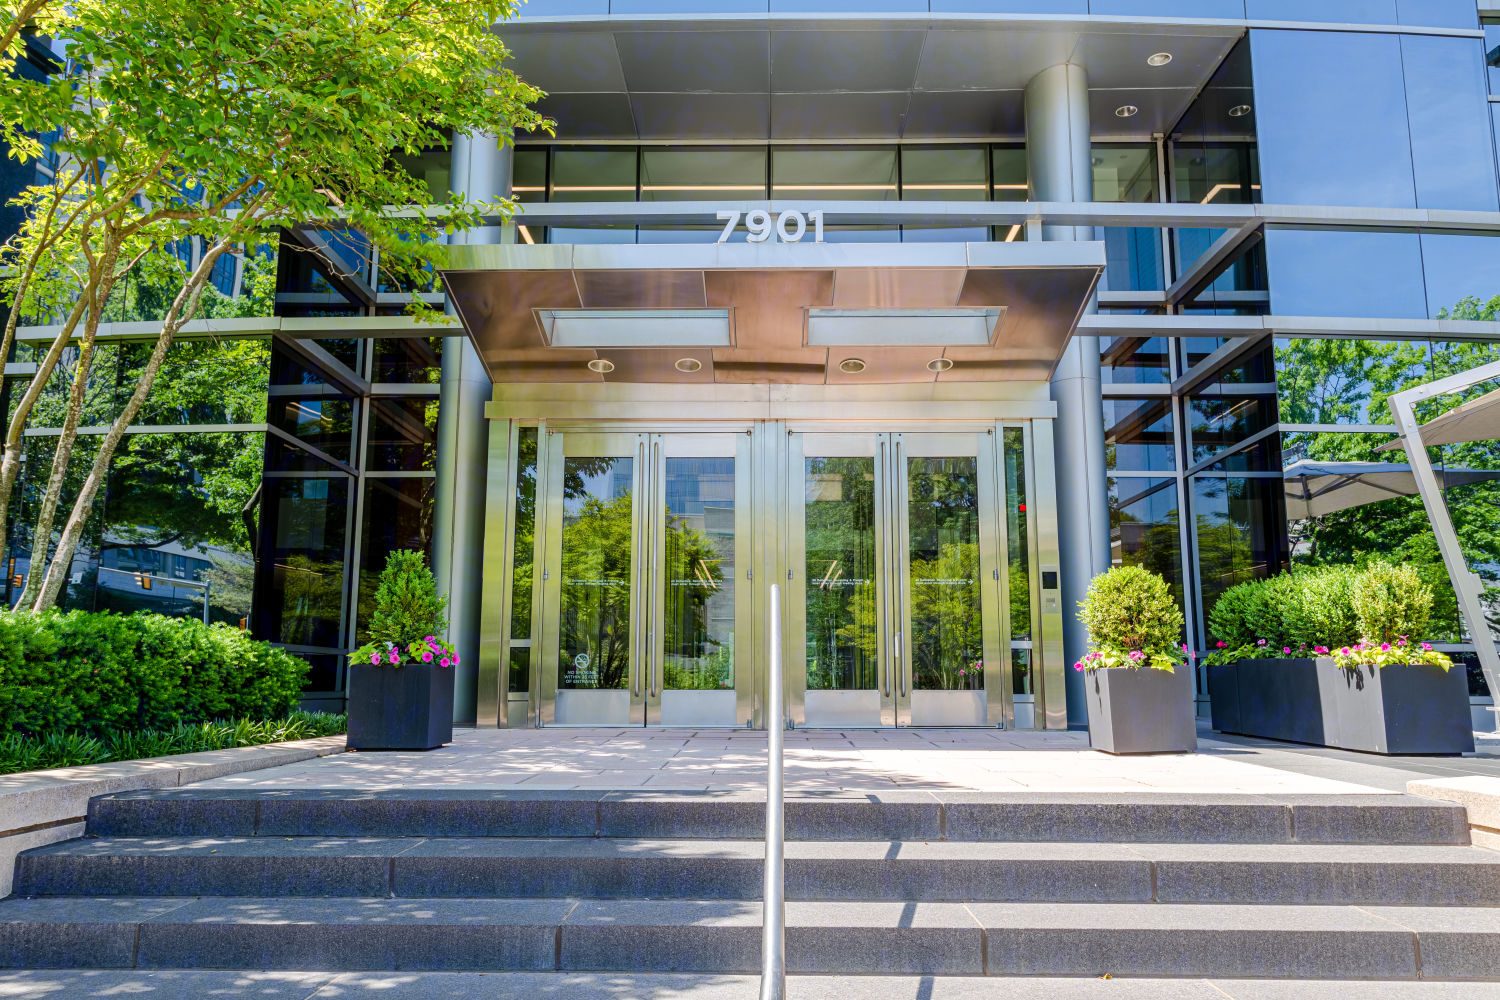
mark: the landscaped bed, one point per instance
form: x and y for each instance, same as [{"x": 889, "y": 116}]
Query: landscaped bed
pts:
[
  {"x": 89, "y": 688},
  {"x": 1331, "y": 656}
]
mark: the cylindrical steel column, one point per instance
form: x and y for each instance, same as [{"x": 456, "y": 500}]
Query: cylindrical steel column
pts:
[
  {"x": 1059, "y": 158},
  {"x": 481, "y": 168}
]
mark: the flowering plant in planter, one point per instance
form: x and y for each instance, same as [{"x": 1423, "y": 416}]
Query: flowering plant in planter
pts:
[
  {"x": 1133, "y": 622},
  {"x": 408, "y": 616}
]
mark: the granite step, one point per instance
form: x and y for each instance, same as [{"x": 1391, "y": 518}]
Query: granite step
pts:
[
  {"x": 608, "y": 868},
  {"x": 884, "y": 815},
  {"x": 723, "y": 936},
  {"x": 147, "y": 984}
]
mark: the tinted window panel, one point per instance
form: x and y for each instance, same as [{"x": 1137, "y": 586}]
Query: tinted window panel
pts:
[
  {"x": 689, "y": 174},
  {"x": 1013, "y": 6},
  {"x": 854, "y": 174},
  {"x": 1330, "y": 11},
  {"x": 1438, "y": 13},
  {"x": 1170, "y": 8},
  {"x": 942, "y": 173},
  {"x": 1450, "y": 143},
  {"x": 1331, "y": 111},
  {"x": 1345, "y": 274},
  {"x": 1458, "y": 267},
  {"x": 593, "y": 174}
]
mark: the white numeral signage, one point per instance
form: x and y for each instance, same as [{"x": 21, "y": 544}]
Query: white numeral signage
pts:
[{"x": 790, "y": 226}]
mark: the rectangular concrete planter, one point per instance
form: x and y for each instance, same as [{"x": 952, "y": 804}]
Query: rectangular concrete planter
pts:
[
  {"x": 1390, "y": 710},
  {"x": 1141, "y": 710},
  {"x": 409, "y": 707}
]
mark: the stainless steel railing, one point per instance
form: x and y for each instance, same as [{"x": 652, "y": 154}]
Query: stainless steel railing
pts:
[{"x": 773, "y": 943}]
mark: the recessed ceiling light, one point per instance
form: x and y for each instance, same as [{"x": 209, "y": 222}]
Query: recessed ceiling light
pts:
[
  {"x": 851, "y": 366},
  {"x": 1159, "y": 59},
  {"x": 601, "y": 365},
  {"x": 1126, "y": 111},
  {"x": 1239, "y": 111},
  {"x": 688, "y": 365},
  {"x": 939, "y": 364}
]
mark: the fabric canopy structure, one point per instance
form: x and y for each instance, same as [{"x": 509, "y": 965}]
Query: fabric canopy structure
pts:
[
  {"x": 1317, "y": 488},
  {"x": 1476, "y": 420}
]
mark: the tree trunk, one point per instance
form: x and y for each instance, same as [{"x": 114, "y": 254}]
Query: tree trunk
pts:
[
  {"x": 62, "y": 455},
  {"x": 183, "y": 308}
]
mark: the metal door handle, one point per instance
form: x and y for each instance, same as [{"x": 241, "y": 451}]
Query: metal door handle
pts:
[
  {"x": 651, "y": 653},
  {"x": 900, "y": 672}
]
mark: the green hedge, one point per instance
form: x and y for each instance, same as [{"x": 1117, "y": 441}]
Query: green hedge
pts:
[
  {"x": 19, "y": 752},
  {"x": 101, "y": 674}
]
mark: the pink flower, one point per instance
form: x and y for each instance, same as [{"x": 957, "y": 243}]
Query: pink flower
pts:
[
  {"x": 1427, "y": 646},
  {"x": 1260, "y": 642},
  {"x": 1345, "y": 650},
  {"x": 1385, "y": 647},
  {"x": 1286, "y": 649},
  {"x": 1078, "y": 666},
  {"x": 443, "y": 662},
  {"x": 428, "y": 638},
  {"x": 1220, "y": 645},
  {"x": 455, "y": 659},
  {"x": 427, "y": 656},
  {"x": 961, "y": 672},
  {"x": 395, "y": 656},
  {"x": 1401, "y": 641},
  {"x": 374, "y": 658}
]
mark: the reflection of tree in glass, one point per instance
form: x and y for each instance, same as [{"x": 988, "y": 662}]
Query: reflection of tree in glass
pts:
[
  {"x": 595, "y": 607},
  {"x": 1351, "y": 381},
  {"x": 946, "y": 643},
  {"x": 840, "y": 512}
]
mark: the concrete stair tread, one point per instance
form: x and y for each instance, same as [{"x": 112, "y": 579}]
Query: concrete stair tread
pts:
[
  {"x": 353, "y": 911},
  {"x": 193, "y": 985},
  {"x": 838, "y": 815},
  {"x": 861, "y": 850}
]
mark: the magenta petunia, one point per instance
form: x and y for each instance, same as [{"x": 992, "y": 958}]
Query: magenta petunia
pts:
[
  {"x": 374, "y": 658},
  {"x": 395, "y": 656},
  {"x": 443, "y": 662},
  {"x": 427, "y": 657}
]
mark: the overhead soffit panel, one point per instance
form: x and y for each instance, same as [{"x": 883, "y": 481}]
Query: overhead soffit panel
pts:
[
  {"x": 715, "y": 62},
  {"x": 835, "y": 61},
  {"x": 885, "y": 80},
  {"x": 1038, "y": 290}
]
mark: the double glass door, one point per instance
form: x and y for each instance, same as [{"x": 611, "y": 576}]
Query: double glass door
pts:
[
  {"x": 639, "y": 604},
  {"x": 898, "y": 543}
]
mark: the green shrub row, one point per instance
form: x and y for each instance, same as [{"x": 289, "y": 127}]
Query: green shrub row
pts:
[
  {"x": 101, "y": 674},
  {"x": 1330, "y": 606},
  {"x": 20, "y": 752}
]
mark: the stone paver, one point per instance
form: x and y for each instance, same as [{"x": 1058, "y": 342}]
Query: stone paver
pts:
[{"x": 965, "y": 759}]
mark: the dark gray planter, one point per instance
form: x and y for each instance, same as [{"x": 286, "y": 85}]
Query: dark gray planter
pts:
[
  {"x": 1390, "y": 710},
  {"x": 409, "y": 707},
  {"x": 1141, "y": 710}
]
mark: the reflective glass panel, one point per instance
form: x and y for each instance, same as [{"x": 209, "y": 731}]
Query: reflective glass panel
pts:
[
  {"x": 524, "y": 572},
  {"x": 698, "y": 614},
  {"x": 403, "y": 434},
  {"x": 303, "y": 530},
  {"x": 690, "y": 173},
  {"x": 1492, "y": 56},
  {"x": 529, "y": 173},
  {"x": 1459, "y": 268},
  {"x": 842, "y": 642},
  {"x": 944, "y": 173},
  {"x": 1451, "y": 146},
  {"x": 597, "y": 548},
  {"x": 1331, "y": 118},
  {"x": 1240, "y": 526},
  {"x": 1134, "y": 360},
  {"x": 1138, "y": 434},
  {"x": 1009, "y": 173},
  {"x": 1144, "y": 529},
  {"x": 850, "y": 173},
  {"x": 1124, "y": 173},
  {"x": 1171, "y": 8},
  {"x": 408, "y": 359},
  {"x": 946, "y": 641},
  {"x": 1328, "y": 11},
  {"x": 1327, "y": 273},
  {"x": 325, "y": 423},
  {"x": 1437, "y": 13},
  {"x": 397, "y": 515},
  {"x": 1017, "y": 556},
  {"x": 593, "y": 174}
]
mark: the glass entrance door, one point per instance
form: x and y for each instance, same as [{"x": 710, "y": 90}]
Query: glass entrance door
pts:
[
  {"x": 901, "y": 576},
  {"x": 639, "y": 603}
]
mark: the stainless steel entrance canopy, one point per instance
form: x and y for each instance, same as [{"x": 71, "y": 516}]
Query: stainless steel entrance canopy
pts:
[{"x": 792, "y": 313}]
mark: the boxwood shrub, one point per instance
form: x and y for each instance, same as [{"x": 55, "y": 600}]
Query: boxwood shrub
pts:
[{"x": 102, "y": 674}]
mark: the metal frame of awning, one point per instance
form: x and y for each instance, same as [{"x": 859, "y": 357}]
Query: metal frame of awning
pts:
[{"x": 1468, "y": 587}]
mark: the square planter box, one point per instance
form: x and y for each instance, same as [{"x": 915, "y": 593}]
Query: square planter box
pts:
[
  {"x": 409, "y": 707},
  {"x": 1391, "y": 710},
  {"x": 1141, "y": 710}
]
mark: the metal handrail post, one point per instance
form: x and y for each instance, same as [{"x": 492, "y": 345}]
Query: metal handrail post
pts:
[{"x": 773, "y": 920}]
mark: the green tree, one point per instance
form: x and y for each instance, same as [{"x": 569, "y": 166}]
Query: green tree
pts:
[{"x": 178, "y": 124}]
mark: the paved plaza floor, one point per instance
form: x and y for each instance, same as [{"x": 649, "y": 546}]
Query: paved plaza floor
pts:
[{"x": 953, "y": 759}]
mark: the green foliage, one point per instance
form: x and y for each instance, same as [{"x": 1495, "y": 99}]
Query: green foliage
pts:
[
  {"x": 1374, "y": 615},
  {"x": 407, "y": 605},
  {"x": 22, "y": 752},
  {"x": 1390, "y": 603},
  {"x": 101, "y": 674},
  {"x": 1133, "y": 620}
]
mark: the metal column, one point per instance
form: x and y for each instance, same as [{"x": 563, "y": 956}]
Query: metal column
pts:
[
  {"x": 1059, "y": 157},
  {"x": 481, "y": 168}
]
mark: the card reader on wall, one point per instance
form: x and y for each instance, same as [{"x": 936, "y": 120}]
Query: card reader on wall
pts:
[{"x": 1049, "y": 590}]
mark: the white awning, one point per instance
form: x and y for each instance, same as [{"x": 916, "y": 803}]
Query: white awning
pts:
[
  {"x": 1476, "y": 420},
  {"x": 1317, "y": 488}
]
